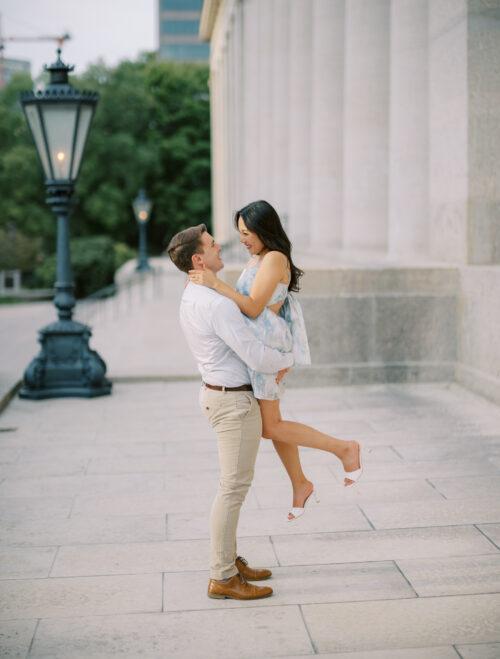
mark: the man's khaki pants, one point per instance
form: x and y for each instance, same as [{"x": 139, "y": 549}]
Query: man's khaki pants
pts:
[{"x": 235, "y": 417}]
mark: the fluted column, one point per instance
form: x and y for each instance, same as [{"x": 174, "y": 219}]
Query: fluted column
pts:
[
  {"x": 327, "y": 122},
  {"x": 366, "y": 125},
  {"x": 280, "y": 108},
  {"x": 300, "y": 120},
  {"x": 224, "y": 128},
  {"x": 265, "y": 54},
  {"x": 231, "y": 172},
  {"x": 217, "y": 150},
  {"x": 238, "y": 104},
  {"x": 409, "y": 129},
  {"x": 251, "y": 100}
]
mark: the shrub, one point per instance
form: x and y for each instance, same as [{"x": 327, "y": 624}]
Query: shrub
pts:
[
  {"x": 123, "y": 253},
  {"x": 17, "y": 251},
  {"x": 93, "y": 261}
]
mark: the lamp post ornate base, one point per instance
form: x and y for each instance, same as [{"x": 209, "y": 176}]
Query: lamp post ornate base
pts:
[
  {"x": 59, "y": 119},
  {"x": 66, "y": 365}
]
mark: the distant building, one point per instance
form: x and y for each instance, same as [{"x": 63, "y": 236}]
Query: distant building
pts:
[
  {"x": 178, "y": 31},
  {"x": 10, "y": 66}
]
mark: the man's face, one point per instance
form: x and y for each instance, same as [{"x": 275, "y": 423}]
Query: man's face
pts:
[{"x": 210, "y": 256}]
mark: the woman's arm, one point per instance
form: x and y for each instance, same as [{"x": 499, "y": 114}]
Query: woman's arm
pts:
[{"x": 269, "y": 274}]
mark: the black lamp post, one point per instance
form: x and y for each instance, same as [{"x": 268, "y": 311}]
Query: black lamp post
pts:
[
  {"x": 59, "y": 119},
  {"x": 142, "y": 209}
]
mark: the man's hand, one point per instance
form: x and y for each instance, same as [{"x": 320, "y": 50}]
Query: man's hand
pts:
[
  {"x": 281, "y": 374},
  {"x": 204, "y": 277}
]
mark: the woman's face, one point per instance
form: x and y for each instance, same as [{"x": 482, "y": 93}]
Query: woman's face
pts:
[{"x": 251, "y": 240}]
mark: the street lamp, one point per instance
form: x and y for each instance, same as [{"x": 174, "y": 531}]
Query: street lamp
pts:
[
  {"x": 59, "y": 118},
  {"x": 142, "y": 209}
]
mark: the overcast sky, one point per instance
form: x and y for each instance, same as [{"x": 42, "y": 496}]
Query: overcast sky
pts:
[{"x": 111, "y": 29}]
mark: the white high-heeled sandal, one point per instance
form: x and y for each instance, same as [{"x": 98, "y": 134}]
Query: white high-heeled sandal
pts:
[
  {"x": 356, "y": 474},
  {"x": 298, "y": 512}
]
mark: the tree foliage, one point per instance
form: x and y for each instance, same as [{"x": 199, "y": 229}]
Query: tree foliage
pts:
[{"x": 151, "y": 130}]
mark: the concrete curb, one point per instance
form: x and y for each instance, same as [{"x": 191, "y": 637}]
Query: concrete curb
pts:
[
  {"x": 119, "y": 379},
  {"x": 6, "y": 398}
]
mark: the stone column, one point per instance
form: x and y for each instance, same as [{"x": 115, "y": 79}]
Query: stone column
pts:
[
  {"x": 217, "y": 150},
  {"x": 409, "y": 130},
  {"x": 448, "y": 129},
  {"x": 238, "y": 81},
  {"x": 300, "y": 121},
  {"x": 280, "y": 109},
  {"x": 327, "y": 122},
  {"x": 265, "y": 54},
  {"x": 231, "y": 118},
  {"x": 251, "y": 101},
  {"x": 483, "y": 61},
  {"x": 225, "y": 173},
  {"x": 366, "y": 125}
]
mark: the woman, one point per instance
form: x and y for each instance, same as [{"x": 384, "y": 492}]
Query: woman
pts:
[{"x": 263, "y": 294}]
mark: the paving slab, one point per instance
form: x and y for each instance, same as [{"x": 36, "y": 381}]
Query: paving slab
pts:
[
  {"x": 26, "y": 562},
  {"x": 254, "y": 632},
  {"x": 84, "y": 530},
  {"x": 59, "y": 597},
  {"x": 113, "y": 495},
  {"x": 417, "y": 622},
  {"x": 454, "y": 511},
  {"x": 23, "y": 508},
  {"x": 265, "y": 522},
  {"x": 427, "y": 469},
  {"x": 16, "y": 637},
  {"x": 492, "y": 531},
  {"x": 319, "y": 548},
  {"x": 152, "y": 557},
  {"x": 364, "y": 491},
  {"x": 454, "y": 575},
  {"x": 310, "y": 584},
  {"x": 458, "y": 488},
  {"x": 442, "y": 652},
  {"x": 479, "y": 651}
]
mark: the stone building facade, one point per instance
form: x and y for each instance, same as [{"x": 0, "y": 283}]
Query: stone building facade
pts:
[{"x": 373, "y": 126}]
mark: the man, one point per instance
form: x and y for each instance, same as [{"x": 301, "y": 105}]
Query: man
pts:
[{"x": 222, "y": 344}]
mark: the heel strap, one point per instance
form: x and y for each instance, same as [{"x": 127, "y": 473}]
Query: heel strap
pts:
[{"x": 297, "y": 512}]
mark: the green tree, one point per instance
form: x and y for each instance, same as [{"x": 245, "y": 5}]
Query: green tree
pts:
[
  {"x": 22, "y": 194},
  {"x": 151, "y": 129},
  {"x": 17, "y": 251}
]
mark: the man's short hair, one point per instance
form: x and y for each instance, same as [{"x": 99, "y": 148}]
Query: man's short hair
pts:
[{"x": 184, "y": 244}]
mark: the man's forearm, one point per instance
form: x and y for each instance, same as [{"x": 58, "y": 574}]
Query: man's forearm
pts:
[{"x": 268, "y": 360}]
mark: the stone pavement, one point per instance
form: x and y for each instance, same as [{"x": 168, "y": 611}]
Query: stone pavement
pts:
[
  {"x": 137, "y": 331},
  {"x": 104, "y": 509}
]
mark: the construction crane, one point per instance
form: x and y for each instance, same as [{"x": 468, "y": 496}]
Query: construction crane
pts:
[{"x": 3, "y": 40}]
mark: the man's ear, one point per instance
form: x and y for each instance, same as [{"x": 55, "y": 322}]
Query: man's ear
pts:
[{"x": 197, "y": 261}]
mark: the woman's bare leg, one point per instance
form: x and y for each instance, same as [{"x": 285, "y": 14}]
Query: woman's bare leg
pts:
[
  {"x": 298, "y": 434},
  {"x": 289, "y": 456},
  {"x": 302, "y": 487}
]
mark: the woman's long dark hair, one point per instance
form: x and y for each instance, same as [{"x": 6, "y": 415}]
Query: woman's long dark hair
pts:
[{"x": 261, "y": 218}]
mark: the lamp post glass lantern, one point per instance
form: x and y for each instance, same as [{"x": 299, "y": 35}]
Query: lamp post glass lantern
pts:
[
  {"x": 142, "y": 210},
  {"x": 59, "y": 118}
]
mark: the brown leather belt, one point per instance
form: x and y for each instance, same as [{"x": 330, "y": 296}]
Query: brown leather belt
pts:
[{"x": 216, "y": 387}]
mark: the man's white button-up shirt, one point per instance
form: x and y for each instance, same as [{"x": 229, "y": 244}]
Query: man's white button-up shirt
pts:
[{"x": 221, "y": 341}]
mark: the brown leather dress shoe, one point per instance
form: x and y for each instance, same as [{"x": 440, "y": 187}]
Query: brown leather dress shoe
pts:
[
  {"x": 237, "y": 588},
  {"x": 250, "y": 573}
]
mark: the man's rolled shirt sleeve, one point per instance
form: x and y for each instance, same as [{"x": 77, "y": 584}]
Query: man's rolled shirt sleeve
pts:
[{"x": 230, "y": 326}]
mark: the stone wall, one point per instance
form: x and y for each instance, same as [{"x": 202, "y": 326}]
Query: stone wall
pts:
[
  {"x": 478, "y": 346},
  {"x": 378, "y": 325}
]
